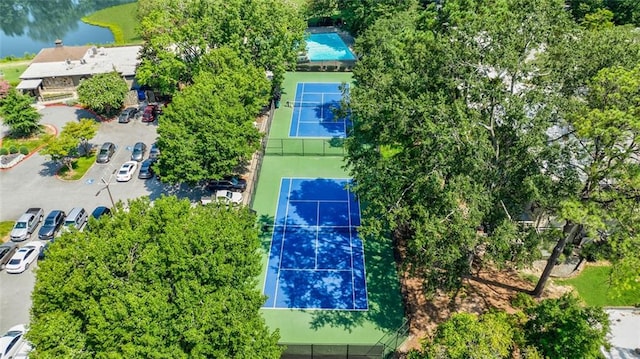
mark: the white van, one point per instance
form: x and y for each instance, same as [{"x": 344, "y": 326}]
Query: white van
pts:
[{"x": 77, "y": 218}]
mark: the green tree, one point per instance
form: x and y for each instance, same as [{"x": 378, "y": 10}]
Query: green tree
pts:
[
  {"x": 563, "y": 328},
  {"x": 265, "y": 33},
  {"x": 446, "y": 138},
  {"x": 17, "y": 113},
  {"x": 552, "y": 328},
  {"x": 358, "y": 15},
  {"x": 603, "y": 135},
  {"x": 600, "y": 19},
  {"x": 468, "y": 336},
  {"x": 573, "y": 59},
  {"x": 82, "y": 132},
  {"x": 74, "y": 135},
  {"x": 62, "y": 149},
  {"x": 162, "y": 280},
  {"x": 207, "y": 130},
  {"x": 103, "y": 93},
  {"x": 317, "y": 9}
]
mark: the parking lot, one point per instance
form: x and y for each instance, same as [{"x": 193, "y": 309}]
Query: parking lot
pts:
[{"x": 32, "y": 183}]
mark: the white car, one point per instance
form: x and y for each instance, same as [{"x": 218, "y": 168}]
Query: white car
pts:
[
  {"x": 11, "y": 341},
  {"x": 24, "y": 257},
  {"x": 126, "y": 171},
  {"x": 225, "y": 196}
]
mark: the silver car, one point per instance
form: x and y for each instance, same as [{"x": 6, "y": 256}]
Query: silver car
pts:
[
  {"x": 24, "y": 226},
  {"x": 139, "y": 150}
]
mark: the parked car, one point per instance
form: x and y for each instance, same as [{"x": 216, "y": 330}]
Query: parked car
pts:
[
  {"x": 11, "y": 341},
  {"x": 23, "y": 258},
  {"x": 106, "y": 151},
  {"x": 154, "y": 152},
  {"x": 150, "y": 113},
  {"x": 139, "y": 150},
  {"x": 225, "y": 196},
  {"x": 127, "y": 115},
  {"x": 76, "y": 218},
  {"x": 51, "y": 226},
  {"x": 25, "y": 349},
  {"x": 126, "y": 171},
  {"x": 6, "y": 252},
  {"x": 26, "y": 224},
  {"x": 43, "y": 252},
  {"x": 228, "y": 183},
  {"x": 100, "y": 211},
  {"x": 146, "y": 169}
]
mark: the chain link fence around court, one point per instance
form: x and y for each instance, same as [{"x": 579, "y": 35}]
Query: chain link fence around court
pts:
[
  {"x": 327, "y": 351},
  {"x": 305, "y": 147},
  {"x": 259, "y": 155},
  {"x": 385, "y": 348}
]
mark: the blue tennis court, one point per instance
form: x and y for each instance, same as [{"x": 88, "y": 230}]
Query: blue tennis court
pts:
[
  {"x": 313, "y": 111},
  {"x": 316, "y": 260}
]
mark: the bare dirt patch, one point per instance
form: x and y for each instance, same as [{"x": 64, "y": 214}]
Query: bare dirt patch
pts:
[{"x": 489, "y": 289}]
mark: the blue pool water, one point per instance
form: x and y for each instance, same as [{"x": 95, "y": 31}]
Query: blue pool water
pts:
[{"x": 327, "y": 46}]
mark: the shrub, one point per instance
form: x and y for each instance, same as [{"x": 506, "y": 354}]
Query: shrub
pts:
[
  {"x": 13, "y": 149},
  {"x": 24, "y": 150},
  {"x": 523, "y": 301},
  {"x": 4, "y": 151}
]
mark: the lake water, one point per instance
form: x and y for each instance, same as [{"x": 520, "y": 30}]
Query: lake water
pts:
[{"x": 30, "y": 26}]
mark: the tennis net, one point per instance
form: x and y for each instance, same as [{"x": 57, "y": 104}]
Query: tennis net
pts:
[{"x": 308, "y": 104}]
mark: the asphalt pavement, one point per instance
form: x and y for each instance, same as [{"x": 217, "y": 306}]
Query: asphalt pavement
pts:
[{"x": 32, "y": 183}]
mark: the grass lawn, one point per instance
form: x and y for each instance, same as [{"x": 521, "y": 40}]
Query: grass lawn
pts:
[
  {"x": 31, "y": 143},
  {"x": 5, "y": 229},
  {"x": 593, "y": 287},
  {"x": 80, "y": 166},
  {"x": 12, "y": 71},
  {"x": 120, "y": 19}
]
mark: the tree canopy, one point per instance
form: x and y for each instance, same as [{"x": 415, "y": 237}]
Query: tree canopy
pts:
[
  {"x": 17, "y": 113},
  {"x": 103, "y": 93},
  {"x": 74, "y": 135},
  {"x": 623, "y": 11},
  {"x": 208, "y": 129},
  {"x": 445, "y": 142},
  {"x": 553, "y": 328},
  {"x": 162, "y": 280},
  {"x": 264, "y": 33},
  {"x": 466, "y": 120}
]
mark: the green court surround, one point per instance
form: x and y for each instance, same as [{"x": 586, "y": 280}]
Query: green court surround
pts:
[{"x": 385, "y": 314}]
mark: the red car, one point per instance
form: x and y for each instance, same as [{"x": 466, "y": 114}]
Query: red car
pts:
[{"x": 150, "y": 113}]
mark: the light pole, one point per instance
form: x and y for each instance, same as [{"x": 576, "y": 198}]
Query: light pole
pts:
[{"x": 106, "y": 186}]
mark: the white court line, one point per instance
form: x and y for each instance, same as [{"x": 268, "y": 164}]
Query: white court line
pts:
[
  {"x": 300, "y": 112},
  {"x": 322, "y": 108},
  {"x": 284, "y": 233},
  {"x": 319, "y": 200},
  {"x": 353, "y": 277},
  {"x": 343, "y": 121},
  {"x": 315, "y": 265},
  {"x": 316, "y": 270},
  {"x": 309, "y": 226}
]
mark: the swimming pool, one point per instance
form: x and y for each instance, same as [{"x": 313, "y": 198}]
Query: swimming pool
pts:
[{"x": 327, "y": 46}]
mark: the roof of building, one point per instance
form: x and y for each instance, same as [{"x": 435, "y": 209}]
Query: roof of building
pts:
[
  {"x": 60, "y": 53},
  {"x": 29, "y": 84},
  {"x": 95, "y": 61},
  {"x": 623, "y": 333}
]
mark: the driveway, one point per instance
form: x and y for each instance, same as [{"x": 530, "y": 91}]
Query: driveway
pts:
[{"x": 32, "y": 183}]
